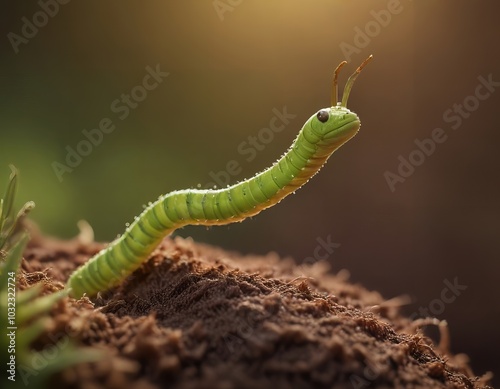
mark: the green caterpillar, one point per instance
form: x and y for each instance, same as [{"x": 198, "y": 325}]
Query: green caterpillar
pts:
[{"x": 322, "y": 134}]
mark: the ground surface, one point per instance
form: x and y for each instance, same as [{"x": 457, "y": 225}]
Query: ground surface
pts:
[{"x": 196, "y": 316}]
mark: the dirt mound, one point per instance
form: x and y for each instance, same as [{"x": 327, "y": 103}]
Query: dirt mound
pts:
[{"x": 196, "y": 316}]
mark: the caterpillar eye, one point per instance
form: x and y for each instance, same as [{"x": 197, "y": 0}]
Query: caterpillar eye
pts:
[{"x": 323, "y": 116}]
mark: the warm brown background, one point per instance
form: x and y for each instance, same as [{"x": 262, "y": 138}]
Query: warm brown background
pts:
[{"x": 225, "y": 78}]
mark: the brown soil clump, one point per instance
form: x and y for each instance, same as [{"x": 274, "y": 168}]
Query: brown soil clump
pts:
[{"x": 196, "y": 316}]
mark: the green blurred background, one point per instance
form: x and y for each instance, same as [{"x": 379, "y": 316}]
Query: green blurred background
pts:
[{"x": 230, "y": 64}]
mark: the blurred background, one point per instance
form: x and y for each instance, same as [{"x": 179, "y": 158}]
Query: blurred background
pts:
[{"x": 232, "y": 65}]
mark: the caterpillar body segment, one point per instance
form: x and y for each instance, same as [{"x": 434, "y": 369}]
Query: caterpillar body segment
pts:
[{"x": 322, "y": 134}]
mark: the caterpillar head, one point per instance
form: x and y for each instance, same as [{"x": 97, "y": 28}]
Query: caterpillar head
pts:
[
  {"x": 338, "y": 122},
  {"x": 335, "y": 123}
]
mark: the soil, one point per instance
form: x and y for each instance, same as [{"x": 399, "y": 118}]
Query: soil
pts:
[{"x": 195, "y": 316}]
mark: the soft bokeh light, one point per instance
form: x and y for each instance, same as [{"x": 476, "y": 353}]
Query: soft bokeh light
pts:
[{"x": 225, "y": 78}]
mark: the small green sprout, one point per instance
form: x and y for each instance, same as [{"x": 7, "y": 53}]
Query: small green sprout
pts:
[
  {"x": 11, "y": 225},
  {"x": 23, "y": 314}
]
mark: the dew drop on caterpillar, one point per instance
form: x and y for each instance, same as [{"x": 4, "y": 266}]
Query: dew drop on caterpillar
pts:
[{"x": 323, "y": 133}]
